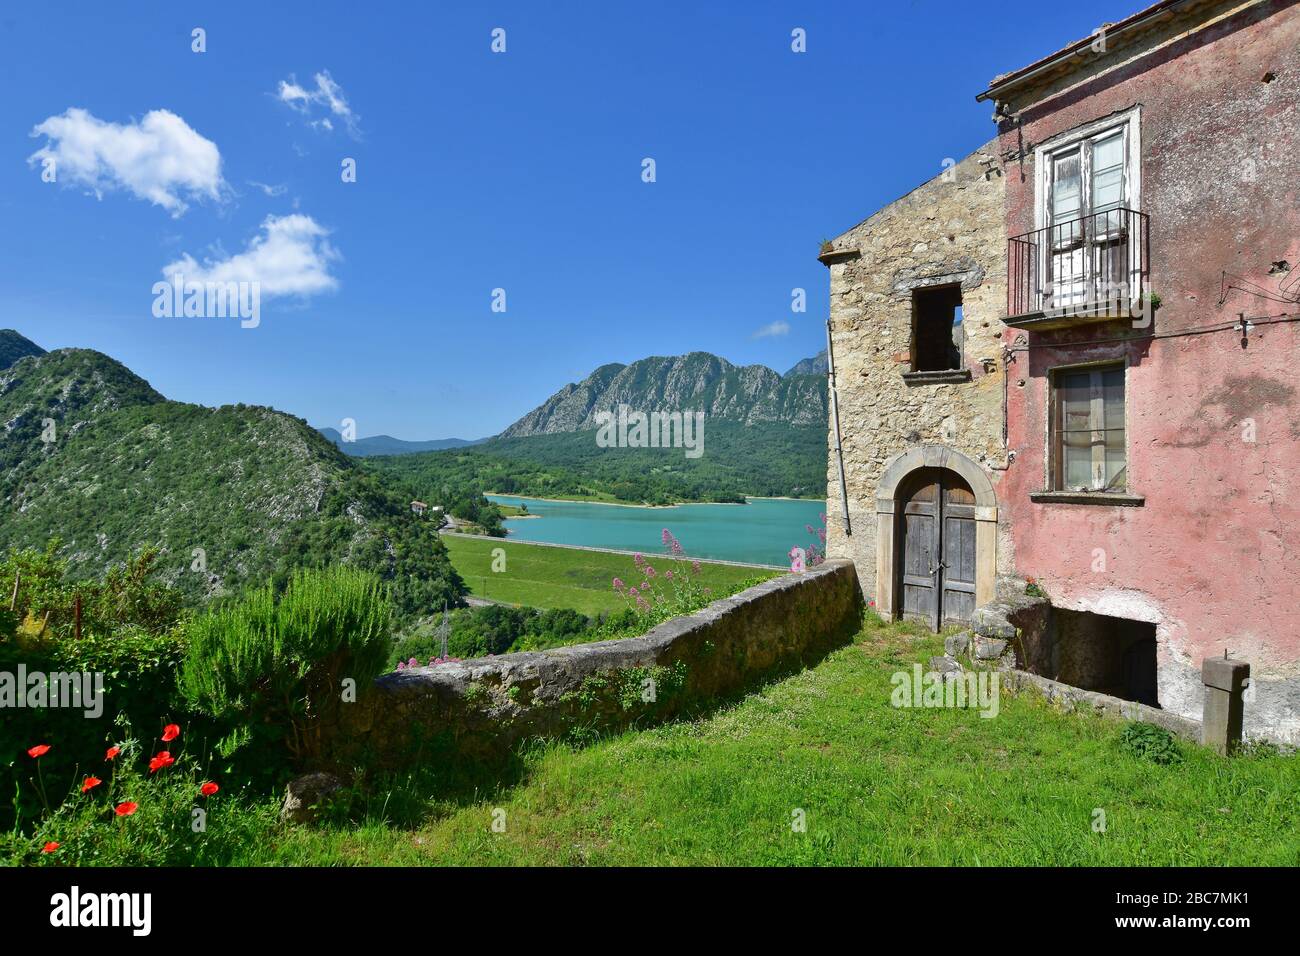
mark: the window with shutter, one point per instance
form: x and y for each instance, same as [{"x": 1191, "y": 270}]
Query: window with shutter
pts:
[{"x": 1088, "y": 447}]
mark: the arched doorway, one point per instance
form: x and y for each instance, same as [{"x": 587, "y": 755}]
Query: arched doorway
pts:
[
  {"x": 936, "y": 536},
  {"x": 936, "y": 547}
]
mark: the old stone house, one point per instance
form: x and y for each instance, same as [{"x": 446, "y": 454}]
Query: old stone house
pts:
[{"x": 1070, "y": 357}]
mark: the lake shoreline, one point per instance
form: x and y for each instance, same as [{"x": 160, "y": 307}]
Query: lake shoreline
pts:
[{"x": 623, "y": 504}]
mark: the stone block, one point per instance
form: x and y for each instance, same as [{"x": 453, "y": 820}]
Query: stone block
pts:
[
  {"x": 1224, "y": 707},
  {"x": 944, "y": 665},
  {"x": 957, "y": 644},
  {"x": 991, "y": 621}
]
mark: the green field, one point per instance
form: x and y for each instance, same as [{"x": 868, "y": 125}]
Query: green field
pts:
[
  {"x": 875, "y": 784},
  {"x": 549, "y": 577}
]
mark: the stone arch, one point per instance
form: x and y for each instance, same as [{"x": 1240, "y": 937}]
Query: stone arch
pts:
[
  {"x": 888, "y": 603},
  {"x": 936, "y": 456}
]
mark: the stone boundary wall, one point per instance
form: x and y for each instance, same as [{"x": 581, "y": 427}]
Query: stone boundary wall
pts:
[
  {"x": 481, "y": 708},
  {"x": 1180, "y": 726}
]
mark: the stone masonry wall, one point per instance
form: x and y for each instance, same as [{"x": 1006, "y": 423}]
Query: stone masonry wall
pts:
[
  {"x": 950, "y": 229},
  {"x": 481, "y": 708}
]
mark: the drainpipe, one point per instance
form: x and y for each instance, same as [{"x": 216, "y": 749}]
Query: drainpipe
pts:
[{"x": 835, "y": 419}]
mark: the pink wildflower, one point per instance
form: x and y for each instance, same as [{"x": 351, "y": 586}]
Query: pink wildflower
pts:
[{"x": 618, "y": 584}]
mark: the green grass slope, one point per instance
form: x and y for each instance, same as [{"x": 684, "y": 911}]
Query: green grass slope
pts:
[
  {"x": 548, "y": 577},
  {"x": 877, "y": 786}
]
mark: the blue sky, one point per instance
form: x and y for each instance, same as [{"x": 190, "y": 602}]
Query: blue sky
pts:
[{"x": 475, "y": 171}]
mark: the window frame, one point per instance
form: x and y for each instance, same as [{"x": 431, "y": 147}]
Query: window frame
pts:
[
  {"x": 1054, "y": 452},
  {"x": 1128, "y": 122},
  {"x": 932, "y": 289}
]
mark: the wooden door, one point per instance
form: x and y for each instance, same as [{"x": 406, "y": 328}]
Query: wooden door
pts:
[
  {"x": 937, "y": 548},
  {"x": 957, "y": 572},
  {"x": 920, "y": 549}
]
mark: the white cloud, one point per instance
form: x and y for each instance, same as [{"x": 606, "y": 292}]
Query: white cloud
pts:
[
  {"x": 292, "y": 256},
  {"x": 269, "y": 190},
  {"x": 773, "y": 329},
  {"x": 327, "y": 94},
  {"x": 160, "y": 159}
]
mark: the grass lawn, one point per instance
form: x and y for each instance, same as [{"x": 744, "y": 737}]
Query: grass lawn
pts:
[
  {"x": 876, "y": 785},
  {"x": 548, "y": 577}
]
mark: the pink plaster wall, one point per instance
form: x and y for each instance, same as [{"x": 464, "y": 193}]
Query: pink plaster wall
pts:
[{"x": 1214, "y": 554}]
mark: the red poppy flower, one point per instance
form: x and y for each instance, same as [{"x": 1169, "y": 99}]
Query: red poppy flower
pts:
[
  {"x": 161, "y": 759},
  {"x": 49, "y": 847},
  {"x": 126, "y": 809},
  {"x": 170, "y": 733},
  {"x": 39, "y": 750},
  {"x": 208, "y": 789},
  {"x": 112, "y": 752},
  {"x": 90, "y": 784}
]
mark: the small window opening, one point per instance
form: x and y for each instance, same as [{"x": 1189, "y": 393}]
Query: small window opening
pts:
[{"x": 937, "y": 329}]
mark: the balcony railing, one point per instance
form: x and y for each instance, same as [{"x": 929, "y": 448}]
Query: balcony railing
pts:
[{"x": 1091, "y": 269}]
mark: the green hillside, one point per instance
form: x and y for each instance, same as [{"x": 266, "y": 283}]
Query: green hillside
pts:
[
  {"x": 232, "y": 496},
  {"x": 13, "y": 347}
]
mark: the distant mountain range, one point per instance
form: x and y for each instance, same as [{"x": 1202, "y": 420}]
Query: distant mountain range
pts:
[
  {"x": 698, "y": 381},
  {"x": 92, "y": 455},
  {"x": 765, "y": 434},
  {"x": 387, "y": 445},
  {"x": 817, "y": 365}
]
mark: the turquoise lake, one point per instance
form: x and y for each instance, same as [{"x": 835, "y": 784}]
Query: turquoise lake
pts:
[{"x": 760, "y": 532}]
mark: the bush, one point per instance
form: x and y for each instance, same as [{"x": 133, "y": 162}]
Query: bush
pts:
[
  {"x": 1149, "y": 742},
  {"x": 273, "y": 671},
  {"x": 131, "y": 646}
]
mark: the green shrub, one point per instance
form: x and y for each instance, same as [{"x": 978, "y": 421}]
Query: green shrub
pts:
[
  {"x": 130, "y": 641},
  {"x": 274, "y": 670},
  {"x": 1149, "y": 742}
]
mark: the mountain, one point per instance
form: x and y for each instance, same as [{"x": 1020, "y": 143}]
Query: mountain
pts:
[
  {"x": 699, "y": 381},
  {"x": 817, "y": 365},
  {"x": 92, "y": 455},
  {"x": 764, "y": 434},
  {"x": 388, "y": 445},
  {"x": 13, "y": 347}
]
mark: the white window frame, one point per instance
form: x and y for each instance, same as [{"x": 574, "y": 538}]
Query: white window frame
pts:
[{"x": 1129, "y": 120}]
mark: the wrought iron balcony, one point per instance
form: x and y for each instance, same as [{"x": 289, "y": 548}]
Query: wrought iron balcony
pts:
[{"x": 1091, "y": 269}]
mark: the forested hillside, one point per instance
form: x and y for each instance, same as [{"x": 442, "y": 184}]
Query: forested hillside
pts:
[
  {"x": 738, "y": 460},
  {"x": 237, "y": 495}
]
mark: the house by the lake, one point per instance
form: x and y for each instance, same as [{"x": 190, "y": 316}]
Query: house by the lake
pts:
[{"x": 1072, "y": 356}]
